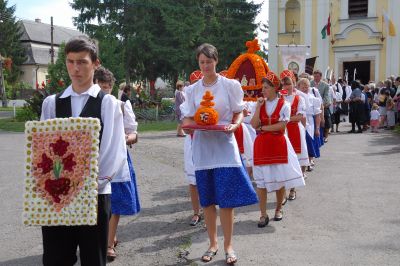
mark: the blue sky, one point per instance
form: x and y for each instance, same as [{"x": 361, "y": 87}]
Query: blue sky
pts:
[{"x": 30, "y": 9}]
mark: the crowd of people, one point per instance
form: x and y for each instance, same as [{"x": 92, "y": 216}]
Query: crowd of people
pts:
[{"x": 270, "y": 144}]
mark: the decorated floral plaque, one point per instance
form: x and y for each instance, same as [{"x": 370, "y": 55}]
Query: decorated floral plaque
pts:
[{"x": 61, "y": 172}]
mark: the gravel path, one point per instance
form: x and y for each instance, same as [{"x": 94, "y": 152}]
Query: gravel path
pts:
[{"x": 347, "y": 215}]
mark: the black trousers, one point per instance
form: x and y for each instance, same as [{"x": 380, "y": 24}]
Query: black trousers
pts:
[{"x": 60, "y": 242}]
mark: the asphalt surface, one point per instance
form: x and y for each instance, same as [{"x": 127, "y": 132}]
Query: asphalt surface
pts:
[{"x": 348, "y": 213}]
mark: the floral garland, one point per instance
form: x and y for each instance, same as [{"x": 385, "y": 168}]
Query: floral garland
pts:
[
  {"x": 61, "y": 172},
  {"x": 260, "y": 66}
]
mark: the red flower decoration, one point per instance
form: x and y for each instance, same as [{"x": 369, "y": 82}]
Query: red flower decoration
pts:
[
  {"x": 68, "y": 162},
  {"x": 60, "y": 83},
  {"x": 57, "y": 187},
  {"x": 43, "y": 84},
  {"x": 46, "y": 164},
  {"x": 60, "y": 147}
]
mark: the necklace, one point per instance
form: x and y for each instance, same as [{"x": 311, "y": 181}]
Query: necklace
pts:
[{"x": 211, "y": 84}]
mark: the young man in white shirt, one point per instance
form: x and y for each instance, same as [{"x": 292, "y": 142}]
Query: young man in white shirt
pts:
[{"x": 85, "y": 99}]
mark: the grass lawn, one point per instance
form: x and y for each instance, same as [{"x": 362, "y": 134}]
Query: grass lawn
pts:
[
  {"x": 9, "y": 124},
  {"x": 157, "y": 126}
]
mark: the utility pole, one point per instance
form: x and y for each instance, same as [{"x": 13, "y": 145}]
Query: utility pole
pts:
[
  {"x": 52, "y": 41},
  {"x": 2, "y": 85}
]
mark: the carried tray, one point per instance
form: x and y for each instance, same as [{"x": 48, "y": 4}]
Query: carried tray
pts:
[{"x": 206, "y": 127}]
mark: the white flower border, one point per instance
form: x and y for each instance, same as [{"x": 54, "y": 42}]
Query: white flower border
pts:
[{"x": 82, "y": 210}]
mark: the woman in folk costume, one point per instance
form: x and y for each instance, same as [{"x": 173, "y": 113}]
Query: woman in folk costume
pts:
[
  {"x": 276, "y": 166},
  {"x": 245, "y": 143},
  {"x": 313, "y": 118},
  {"x": 295, "y": 128},
  {"x": 124, "y": 196},
  {"x": 220, "y": 176},
  {"x": 188, "y": 161}
]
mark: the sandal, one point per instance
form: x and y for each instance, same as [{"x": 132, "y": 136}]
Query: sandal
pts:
[
  {"x": 208, "y": 255},
  {"x": 231, "y": 256},
  {"x": 278, "y": 215},
  {"x": 292, "y": 195},
  {"x": 284, "y": 201},
  {"x": 196, "y": 218},
  {"x": 115, "y": 243},
  {"x": 264, "y": 220},
  {"x": 111, "y": 255}
]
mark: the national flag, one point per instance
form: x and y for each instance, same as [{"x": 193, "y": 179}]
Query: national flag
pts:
[
  {"x": 326, "y": 30},
  {"x": 390, "y": 24}
]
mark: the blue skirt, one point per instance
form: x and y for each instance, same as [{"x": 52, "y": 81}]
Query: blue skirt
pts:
[
  {"x": 312, "y": 146},
  {"x": 228, "y": 187},
  {"x": 125, "y": 196}
]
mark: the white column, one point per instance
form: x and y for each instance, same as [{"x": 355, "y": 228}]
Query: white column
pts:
[
  {"x": 344, "y": 9},
  {"x": 371, "y": 8},
  {"x": 307, "y": 21},
  {"x": 392, "y": 43},
  {"x": 273, "y": 36},
  {"x": 322, "y": 44},
  {"x": 282, "y": 17}
]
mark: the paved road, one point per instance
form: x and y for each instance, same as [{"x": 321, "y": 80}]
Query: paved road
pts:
[
  {"x": 349, "y": 213},
  {"x": 6, "y": 114}
]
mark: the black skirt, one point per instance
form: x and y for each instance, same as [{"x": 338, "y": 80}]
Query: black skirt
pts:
[{"x": 356, "y": 112}]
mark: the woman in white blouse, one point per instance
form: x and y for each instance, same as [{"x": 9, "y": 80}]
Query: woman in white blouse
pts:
[
  {"x": 124, "y": 197},
  {"x": 220, "y": 176}
]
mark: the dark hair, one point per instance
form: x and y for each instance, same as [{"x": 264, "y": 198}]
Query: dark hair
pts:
[
  {"x": 398, "y": 79},
  {"x": 286, "y": 80},
  {"x": 208, "y": 50},
  {"x": 103, "y": 75},
  {"x": 127, "y": 88},
  {"x": 388, "y": 83},
  {"x": 317, "y": 72},
  {"x": 355, "y": 84},
  {"x": 270, "y": 83},
  {"x": 81, "y": 44}
]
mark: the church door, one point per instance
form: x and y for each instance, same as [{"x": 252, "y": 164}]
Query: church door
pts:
[{"x": 362, "y": 70}]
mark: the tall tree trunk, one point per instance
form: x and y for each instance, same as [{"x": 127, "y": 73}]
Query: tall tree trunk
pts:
[{"x": 127, "y": 61}]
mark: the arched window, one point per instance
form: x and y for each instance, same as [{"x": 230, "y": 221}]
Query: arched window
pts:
[
  {"x": 358, "y": 8},
  {"x": 292, "y": 16}
]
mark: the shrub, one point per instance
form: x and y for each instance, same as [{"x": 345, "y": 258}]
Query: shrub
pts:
[{"x": 26, "y": 114}]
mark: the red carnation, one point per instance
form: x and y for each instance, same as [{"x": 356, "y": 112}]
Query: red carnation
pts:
[
  {"x": 69, "y": 162},
  {"x": 60, "y": 83},
  {"x": 46, "y": 164},
  {"x": 60, "y": 147}
]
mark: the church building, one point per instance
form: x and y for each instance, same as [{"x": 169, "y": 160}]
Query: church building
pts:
[{"x": 357, "y": 37}]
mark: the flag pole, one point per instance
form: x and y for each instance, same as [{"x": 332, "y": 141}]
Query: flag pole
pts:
[{"x": 383, "y": 22}]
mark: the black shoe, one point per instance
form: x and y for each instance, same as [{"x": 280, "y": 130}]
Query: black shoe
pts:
[
  {"x": 263, "y": 221},
  {"x": 352, "y": 131},
  {"x": 359, "y": 131}
]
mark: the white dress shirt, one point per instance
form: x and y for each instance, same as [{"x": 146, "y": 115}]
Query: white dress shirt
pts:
[{"x": 112, "y": 154}]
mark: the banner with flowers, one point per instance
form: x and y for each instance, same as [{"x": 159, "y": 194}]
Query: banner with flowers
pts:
[{"x": 61, "y": 171}]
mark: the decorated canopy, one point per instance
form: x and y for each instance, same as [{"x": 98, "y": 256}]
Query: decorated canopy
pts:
[{"x": 249, "y": 69}]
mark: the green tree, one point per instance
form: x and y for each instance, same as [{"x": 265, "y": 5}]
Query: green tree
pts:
[
  {"x": 158, "y": 37},
  {"x": 10, "y": 45}
]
